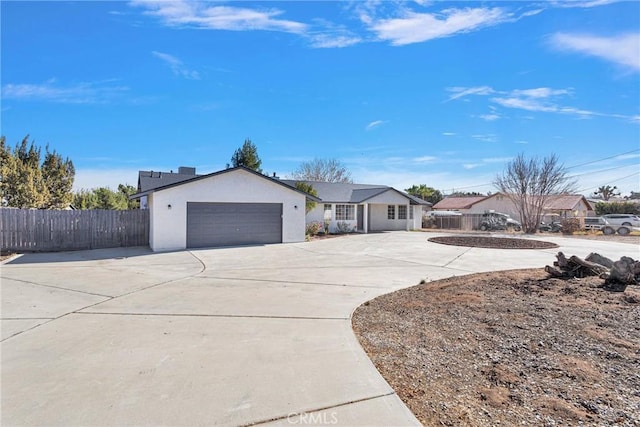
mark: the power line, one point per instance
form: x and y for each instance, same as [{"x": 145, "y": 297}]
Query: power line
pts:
[
  {"x": 601, "y": 170},
  {"x": 611, "y": 182},
  {"x": 574, "y": 166},
  {"x": 602, "y": 160}
]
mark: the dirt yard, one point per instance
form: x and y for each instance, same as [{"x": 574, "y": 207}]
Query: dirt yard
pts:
[{"x": 509, "y": 348}]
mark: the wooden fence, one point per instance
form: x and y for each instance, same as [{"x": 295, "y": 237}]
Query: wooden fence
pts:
[
  {"x": 49, "y": 230},
  {"x": 465, "y": 222}
]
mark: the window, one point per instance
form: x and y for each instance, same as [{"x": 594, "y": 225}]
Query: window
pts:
[
  {"x": 345, "y": 212},
  {"x": 402, "y": 212},
  {"x": 327, "y": 212},
  {"x": 391, "y": 212},
  {"x": 410, "y": 212}
]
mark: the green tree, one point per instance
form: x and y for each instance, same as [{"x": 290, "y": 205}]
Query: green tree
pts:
[
  {"x": 322, "y": 170},
  {"x": 58, "y": 175},
  {"x": 606, "y": 192},
  {"x": 23, "y": 184},
  {"x": 85, "y": 199},
  {"x": 247, "y": 156},
  {"x": 603, "y": 208},
  {"x": 307, "y": 188},
  {"x": 429, "y": 194},
  {"x": 531, "y": 184},
  {"x": 128, "y": 190},
  {"x": 105, "y": 198}
]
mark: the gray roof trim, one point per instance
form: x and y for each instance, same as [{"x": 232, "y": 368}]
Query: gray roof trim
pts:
[{"x": 199, "y": 177}]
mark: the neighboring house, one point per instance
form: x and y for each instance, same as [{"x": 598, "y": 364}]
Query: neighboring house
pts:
[
  {"x": 460, "y": 204},
  {"x": 364, "y": 208},
  {"x": 565, "y": 206},
  {"x": 569, "y": 206},
  {"x": 148, "y": 180},
  {"x": 236, "y": 206},
  {"x": 497, "y": 202}
]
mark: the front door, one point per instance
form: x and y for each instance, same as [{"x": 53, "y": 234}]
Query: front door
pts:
[{"x": 360, "y": 218}]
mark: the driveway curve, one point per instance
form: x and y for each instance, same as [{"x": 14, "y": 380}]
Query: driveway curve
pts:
[{"x": 255, "y": 335}]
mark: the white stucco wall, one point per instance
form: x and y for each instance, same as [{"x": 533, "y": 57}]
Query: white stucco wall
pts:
[
  {"x": 376, "y": 214},
  {"x": 168, "y": 227},
  {"x": 317, "y": 215}
]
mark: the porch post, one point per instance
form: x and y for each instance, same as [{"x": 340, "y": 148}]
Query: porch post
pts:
[
  {"x": 409, "y": 221},
  {"x": 365, "y": 220}
]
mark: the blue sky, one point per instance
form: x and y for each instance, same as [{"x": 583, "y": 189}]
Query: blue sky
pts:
[{"x": 436, "y": 93}]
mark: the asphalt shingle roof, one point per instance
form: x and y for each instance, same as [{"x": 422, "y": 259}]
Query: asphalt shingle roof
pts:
[
  {"x": 340, "y": 192},
  {"x": 458, "y": 202},
  {"x": 149, "y": 180}
]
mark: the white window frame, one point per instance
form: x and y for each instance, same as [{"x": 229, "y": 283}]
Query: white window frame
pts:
[
  {"x": 345, "y": 213},
  {"x": 410, "y": 212},
  {"x": 402, "y": 211},
  {"x": 327, "y": 208},
  {"x": 391, "y": 211}
]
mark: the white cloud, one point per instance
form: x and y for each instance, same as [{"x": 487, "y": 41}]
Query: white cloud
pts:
[
  {"x": 425, "y": 159},
  {"x": 540, "y": 92},
  {"x": 329, "y": 40},
  {"x": 413, "y": 27},
  {"x": 77, "y": 93},
  {"x": 485, "y": 137},
  {"x": 177, "y": 67},
  {"x": 541, "y": 99},
  {"x": 461, "y": 92},
  {"x": 522, "y": 142},
  {"x": 375, "y": 124},
  {"x": 214, "y": 16},
  {"x": 582, "y": 3},
  {"x": 524, "y": 104},
  {"x": 623, "y": 49},
  {"x": 490, "y": 117},
  {"x": 448, "y": 133}
]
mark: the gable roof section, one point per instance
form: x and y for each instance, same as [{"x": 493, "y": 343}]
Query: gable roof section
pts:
[
  {"x": 341, "y": 192},
  {"x": 458, "y": 202},
  {"x": 200, "y": 177},
  {"x": 565, "y": 202}
]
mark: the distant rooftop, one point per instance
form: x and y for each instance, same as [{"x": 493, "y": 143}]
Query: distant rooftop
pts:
[{"x": 148, "y": 180}]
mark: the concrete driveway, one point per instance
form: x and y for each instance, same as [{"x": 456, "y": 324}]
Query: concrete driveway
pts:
[{"x": 235, "y": 336}]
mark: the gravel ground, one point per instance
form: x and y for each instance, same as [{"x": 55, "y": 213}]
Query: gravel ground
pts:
[{"x": 509, "y": 348}]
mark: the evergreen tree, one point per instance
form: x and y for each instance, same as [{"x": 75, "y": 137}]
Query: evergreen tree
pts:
[
  {"x": 58, "y": 175},
  {"x": 247, "y": 156},
  {"x": 22, "y": 182}
]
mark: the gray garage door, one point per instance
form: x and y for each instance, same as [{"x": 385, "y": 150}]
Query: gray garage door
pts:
[{"x": 228, "y": 224}]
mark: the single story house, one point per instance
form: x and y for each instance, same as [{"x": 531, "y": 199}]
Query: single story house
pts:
[
  {"x": 364, "y": 207},
  {"x": 569, "y": 206},
  {"x": 565, "y": 206},
  {"x": 460, "y": 204},
  {"x": 235, "y": 206}
]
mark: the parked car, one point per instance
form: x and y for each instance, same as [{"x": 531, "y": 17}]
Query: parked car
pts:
[
  {"x": 603, "y": 224},
  {"x": 623, "y": 219},
  {"x": 551, "y": 227},
  {"x": 595, "y": 223},
  {"x": 492, "y": 221}
]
